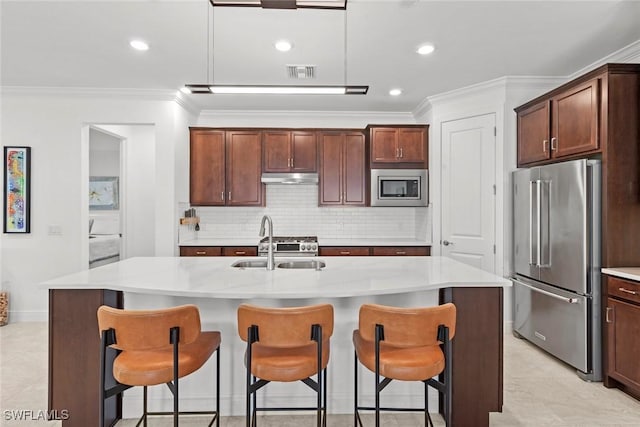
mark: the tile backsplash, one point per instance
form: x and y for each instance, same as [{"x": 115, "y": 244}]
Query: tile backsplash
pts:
[{"x": 295, "y": 211}]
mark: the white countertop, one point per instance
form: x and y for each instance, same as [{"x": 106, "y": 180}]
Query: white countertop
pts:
[
  {"x": 631, "y": 273},
  {"x": 253, "y": 241},
  {"x": 213, "y": 277}
]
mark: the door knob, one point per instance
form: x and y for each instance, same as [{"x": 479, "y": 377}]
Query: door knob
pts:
[{"x": 447, "y": 243}]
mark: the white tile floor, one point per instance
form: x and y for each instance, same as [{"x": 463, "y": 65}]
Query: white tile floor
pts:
[{"x": 538, "y": 391}]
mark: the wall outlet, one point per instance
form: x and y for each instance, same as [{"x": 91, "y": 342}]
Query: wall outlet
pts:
[{"x": 55, "y": 230}]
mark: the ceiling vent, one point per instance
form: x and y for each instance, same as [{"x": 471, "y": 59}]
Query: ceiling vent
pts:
[{"x": 301, "y": 71}]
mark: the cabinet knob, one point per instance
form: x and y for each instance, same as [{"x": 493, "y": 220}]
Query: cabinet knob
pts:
[
  {"x": 627, "y": 291},
  {"x": 401, "y": 155},
  {"x": 544, "y": 145},
  {"x": 229, "y": 195},
  {"x": 241, "y": 253},
  {"x": 345, "y": 253},
  {"x": 607, "y": 311},
  {"x": 201, "y": 252},
  {"x": 222, "y": 195},
  {"x": 554, "y": 143},
  {"x": 401, "y": 253}
]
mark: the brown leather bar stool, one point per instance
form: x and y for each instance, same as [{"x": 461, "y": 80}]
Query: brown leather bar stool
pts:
[
  {"x": 155, "y": 347},
  {"x": 286, "y": 345},
  {"x": 408, "y": 344}
]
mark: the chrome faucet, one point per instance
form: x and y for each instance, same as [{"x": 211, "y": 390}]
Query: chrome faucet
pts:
[{"x": 270, "y": 261}]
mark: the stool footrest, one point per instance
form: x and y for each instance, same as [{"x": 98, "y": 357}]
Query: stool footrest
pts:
[{"x": 213, "y": 420}]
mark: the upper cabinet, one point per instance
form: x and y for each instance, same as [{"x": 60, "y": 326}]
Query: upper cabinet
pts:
[
  {"x": 343, "y": 169},
  {"x": 561, "y": 125},
  {"x": 289, "y": 151},
  {"x": 398, "y": 146},
  {"x": 225, "y": 168}
]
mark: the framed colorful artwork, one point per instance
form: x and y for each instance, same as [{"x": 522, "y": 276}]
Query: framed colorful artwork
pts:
[
  {"x": 103, "y": 193},
  {"x": 17, "y": 189}
]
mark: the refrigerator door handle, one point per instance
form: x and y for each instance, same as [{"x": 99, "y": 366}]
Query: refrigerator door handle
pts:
[
  {"x": 539, "y": 222},
  {"x": 532, "y": 234},
  {"x": 544, "y": 244},
  {"x": 549, "y": 294}
]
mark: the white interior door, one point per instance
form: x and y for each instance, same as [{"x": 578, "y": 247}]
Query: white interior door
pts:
[{"x": 468, "y": 191}]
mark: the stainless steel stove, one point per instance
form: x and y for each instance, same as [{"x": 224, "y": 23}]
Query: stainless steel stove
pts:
[{"x": 290, "y": 246}]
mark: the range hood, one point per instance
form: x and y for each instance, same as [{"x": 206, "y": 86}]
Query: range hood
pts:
[{"x": 290, "y": 178}]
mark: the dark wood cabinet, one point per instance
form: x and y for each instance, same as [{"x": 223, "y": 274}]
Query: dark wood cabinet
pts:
[
  {"x": 343, "y": 170},
  {"x": 344, "y": 251},
  {"x": 240, "y": 251},
  {"x": 207, "y": 168},
  {"x": 218, "y": 250},
  {"x": 400, "y": 251},
  {"x": 225, "y": 168},
  {"x": 289, "y": 151},
  {"x": 200, "y": 251},
  {"x": 563, "y": 125},
  {"x": 533, "y": 134},
  {"x": 399, "y": 146},
  {"x": 374, "y": 250},
  {"x": 622, "y": 320},
  {"x": 575, "y": 120},
  {"x": 244, "y": 168}
]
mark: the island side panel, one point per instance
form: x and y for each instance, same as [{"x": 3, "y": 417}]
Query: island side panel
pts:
[
  {"x": 477, "y": 354},
  {"x": 74, "y": 356}
]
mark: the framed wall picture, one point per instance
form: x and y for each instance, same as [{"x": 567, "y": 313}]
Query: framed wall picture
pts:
[
  {"x": 17, "y": 189},
  {"x": 103, "y": 193}
]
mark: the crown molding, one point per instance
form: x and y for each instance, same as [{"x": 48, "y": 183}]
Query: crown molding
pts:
[
  {"x": 187, "y": 104},
  {"x": 623, "y": 55}
]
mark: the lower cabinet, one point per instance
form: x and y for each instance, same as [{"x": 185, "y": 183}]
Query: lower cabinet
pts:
[
  {"x": 622, "y": 320},
  {"x": 344, "y": 251},
  {"x": 375, "y": 250},
  {"x": 218, "y": 250},
  {"x": 401, "y": 251}
]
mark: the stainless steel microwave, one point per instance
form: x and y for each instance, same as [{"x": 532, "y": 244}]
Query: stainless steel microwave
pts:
[{"x": 399, "y": 187}]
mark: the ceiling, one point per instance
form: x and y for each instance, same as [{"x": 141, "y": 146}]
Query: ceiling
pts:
[{"x": 84, "y": 44}]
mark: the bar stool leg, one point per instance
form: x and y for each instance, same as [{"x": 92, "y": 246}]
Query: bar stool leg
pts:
[
  {"x": 217, "y": 387},
  {"x": 144, "y": 405}
]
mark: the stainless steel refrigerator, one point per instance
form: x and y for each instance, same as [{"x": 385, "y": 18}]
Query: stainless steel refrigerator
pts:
[{"x": 556, "y": 216}]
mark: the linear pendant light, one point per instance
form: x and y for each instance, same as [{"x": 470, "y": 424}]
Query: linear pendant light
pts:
[
  {"x": 276, "y": 90},
  {"x": 279, "y": 89}
]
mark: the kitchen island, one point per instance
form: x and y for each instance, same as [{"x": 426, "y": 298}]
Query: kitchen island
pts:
[{"x": 217, "y": 289}]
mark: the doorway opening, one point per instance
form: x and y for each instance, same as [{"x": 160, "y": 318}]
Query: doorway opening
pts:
[{"x": 120, "y": 176}]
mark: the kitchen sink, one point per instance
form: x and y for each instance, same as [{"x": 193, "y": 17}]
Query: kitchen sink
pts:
[
  {"x": 310, "y": 264},
  {"x": 253, "y": 263}
]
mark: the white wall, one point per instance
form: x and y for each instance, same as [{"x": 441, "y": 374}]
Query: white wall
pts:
[{"x": 54, "y": 126}]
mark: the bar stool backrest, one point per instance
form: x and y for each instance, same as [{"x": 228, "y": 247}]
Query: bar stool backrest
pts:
[
  {"x": 407, "y": 327},
  {"x": 285, "y": 327},
  {"x": 140, "y": 330}
]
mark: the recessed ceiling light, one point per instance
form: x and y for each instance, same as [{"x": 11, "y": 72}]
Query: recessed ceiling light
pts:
[
  {"x": 426, "y": 49},
  {"x": 139, "y": 45},
  {"x": 395, "y": 92},
  {"x": 283, "y": 45}
]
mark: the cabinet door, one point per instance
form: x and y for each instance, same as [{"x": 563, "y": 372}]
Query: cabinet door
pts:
[
  {"x": 344, "y": 251},
  {"x": 240, "y": 251},
  {"x": 384, "y": 145},
  {"x": 411, "y": 145},
  {"x": 330, "y": 174},
  {"x": 200, "y": 251},
  {"x": 303, "y": 151},
  {"x": 533, "y": 134},
  {"x": 575, "y": 120},
  {"x": 400, "y": 251},
  {"x": 354, "y": 182},
  {"x": 244, "y": 160},
  {"x": 207, "y": 168},
  {"x": 277, "y": 153},
  {"x": 623, "y": 342}
]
